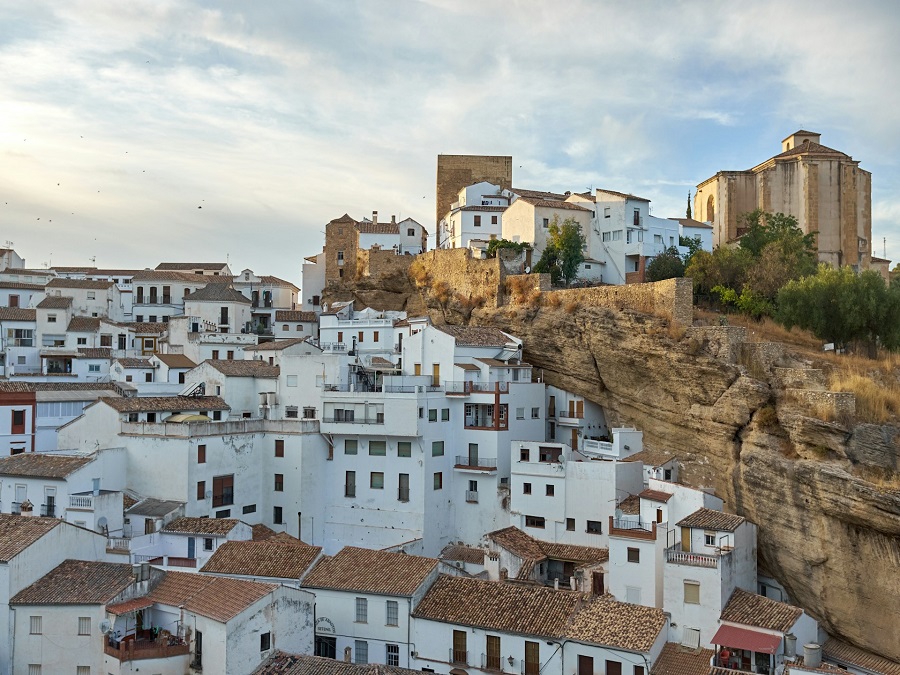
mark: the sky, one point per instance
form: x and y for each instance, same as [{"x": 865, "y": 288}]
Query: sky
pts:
[{"x": 145, "y": 131}]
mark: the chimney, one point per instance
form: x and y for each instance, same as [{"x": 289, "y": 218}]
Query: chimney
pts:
[
  {"x": 347, "y": 654},
  {"x": 374, "y": 217},
  {"x": 393, "y": 219},
  {"x": 812, "y": 655}
]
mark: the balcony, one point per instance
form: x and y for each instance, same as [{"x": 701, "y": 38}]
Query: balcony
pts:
[
  {"x": 675, "y": 555},
  {"x": 464, "y": 388},
  {"x": 353, "y": 420},
  {"x": 118, "y": 543},
  {"x": 133, "y": 650},
  {"x": 84, "y": 502},
  {"x": 632, "y": 528},
  {"x": 459, "y": 657},
  {"x": 490, "y": 662},
  {"x": 48, "y": 510},
  {"x": 403, "y": 494},
  {"x": 475, "y": 463},
  {"x": 472, "y": 496}
]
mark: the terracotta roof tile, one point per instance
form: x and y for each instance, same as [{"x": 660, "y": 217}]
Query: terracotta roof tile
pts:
[
  {"x": 751, "y": 609},
  {"x": 476, "y": 336},
  {"x": 366, "y": 227},
  {"x": 823, "y": 668},
  {"x": 617, "y": 624},
  {"x": 244, "y": 368},
  {"x": 42, "y": 464},
  {"x": 77, "y": 582},
  {"x": 656, "y": 495},
  {"x": 217, "y": 598},
  {"x": 367, "y": 571},
  {"x": 166, "y": 403},
  {"x": 534, "y": 550},
  {"x": 55, "y": 302},
  {"x": 295, "y": 315},
  {"x": 19, "y": 532},
  {"x": 712, "y": 520},
  {"x": 56, "y": 386},
  {"x": 631, "y": 505},
  {"x": 176, "y": 360},
  {"x": 217, "y": 292},
  {"x": 846, "y": 654},
  {"x": 275, "y": 345},
  {"x": 625, "y": 195},
  {"x": 127, "y": 606},
  {"x": 212, "y": 266},
  {"x": 538, "y": 194},
  {"x": 553, "y": 204},
  {"x": 502, "y": 606},
  {"x": 133, "y": 362},
  {"x": 17, "y": 314},
  {"x": 61, "y": 282},
  {"x": 262, "y": 559},
  {"x": 262, "y": 532},
  {"x": 281, "y": 663},
  {"x": 146, "y": 327},
  {"x": 94, "y": 353},
  {"x": 155, "y": 508},
  {"x": 810, "y": 148},
  {"x": 214, "y": 526},
  {"x": 184, "y": 277},
  {"x": 18, "y": 285},
  {"x": 458, "y": 552},
  {"x": 83, "y": 324},
  {"x": 677, "y": 660},
  {"x": 276, "y": 281}
]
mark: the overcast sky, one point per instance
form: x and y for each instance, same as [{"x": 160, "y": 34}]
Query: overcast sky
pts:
[{"x": 119, "y": 119}]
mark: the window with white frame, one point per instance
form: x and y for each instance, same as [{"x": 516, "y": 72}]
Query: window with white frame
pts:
[
  {"x": 83, "y": 670},
  {"x": 392, "y": 614},
  {"x": 360, "y": 651},
  {"x": 93, "y": 367},
  {"x": 690, "y": 637},
  {"x": 292, "y": 380},
  {"x": 709, "y": 538},
  {"x": 84, "y": 625},
  {"x": 520, "y": 413},
  {"x": 692, "y": 592},
  {"x": 362, "y": 610},
  {"x": 392, "y": 655},
  {"x": 35, "y": 625},
  {"x": 535, "y": 413}
]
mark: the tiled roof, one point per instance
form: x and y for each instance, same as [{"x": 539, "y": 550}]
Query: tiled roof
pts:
[
  {"x": 244, "y": 368},
  {"x": 214, "y": 292},
  {"x": 625, "y": 195},
  {"x": 486, "y": 208},
  {"x": 133, "y": 362},
  {"x": 215, "y": 526},
  {"x": 518, "y": 542},
  {"x": 94, "y": 352},
  {"x": 184, "y": 277},
  {"x": 213, "y": 266},
  {"x": 458, "y": 552},
  {"x": 690, "y": 222},
  {"x": 822, "y": 669},
  {"x": 276, "y": 281},
  {"x": 810, "y": 148},
  {"x": 262, "y": 559},
  {"x": 73, "y": 269},
  {"x": 154, "y": 508},
  {"x": 17, "y": 314},
  {"x": 42, "y": 464},
  {"x": 262, "y": 532},
  {"x": 551, "y": 204},
  {"x": 712, "y": 520},
  {"x": 656, "y": 495},
  {"x": 366, "y": 227},
  {"x": 77, "y": 582},
  {"x": 145, "y": 327},
  {"x": 476, "y": 336},
  {"x": 61, "y": 282},
  {"x": 295, "y": 315},
  {"x": 847, "y": 654},
  {"x": 751, "y": 609},
  {"x": 617, "y": 624},
  {"x": 275, "y": 345},
  {"x": 176, "y": 360},
  {"x": 19, "y": 532},
  {"x": 281, "y": 663},
  {"x": 343, "y": 219},
  {"x": 534, "y": 550},
  {"x": 367, "y": 571},
  {"x": 18, "y": 285},
  {"x": 166, "y": 403},
  {"x": 677, "y": 660},
  {"x": 55, "y": 386},
  {"x": 128, "y": 501},
  {"x": 538, "y": 194},
  {"x": 501, "y": 606},
  {"x": 631, "y": 505},
  {"x": 55, "y": 302},
  {"x": 283, "y": 538},
  {"x": 217, "y": 598},
  {"x": 127, "y": 606},
  {"x": 574, "y": 553},
  {"x": 83, "y": 324}
]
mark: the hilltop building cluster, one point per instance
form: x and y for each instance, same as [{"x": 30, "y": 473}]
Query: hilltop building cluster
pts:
[{"x": 205, "y": 471}]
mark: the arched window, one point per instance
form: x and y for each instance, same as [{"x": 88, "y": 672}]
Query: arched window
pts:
[{"x": 710, "y": 209}]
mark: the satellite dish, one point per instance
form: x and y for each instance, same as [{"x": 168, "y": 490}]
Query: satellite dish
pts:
[
  {"x": 105, "y": 626},
  {"x": 619, "y": 514},
  {"x": 102, "y": 521},
  {"x": 527, "y": 269}
]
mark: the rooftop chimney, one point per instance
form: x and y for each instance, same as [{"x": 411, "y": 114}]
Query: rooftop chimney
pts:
[
  {"x": 374, "y": 217},
  {"x": 393, "y": 219}
]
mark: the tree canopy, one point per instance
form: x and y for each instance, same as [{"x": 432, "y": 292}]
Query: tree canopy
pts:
[
  {"x": 564, "y": 251},
  {"x": 667, "y": 265},
  {"x": 495, "y": 244}
]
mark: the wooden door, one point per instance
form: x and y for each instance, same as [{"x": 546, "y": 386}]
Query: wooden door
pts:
[
  {"x": 435, "y": 374},
  {"x": 659, "y": 515},
  {"x": 686, "y": 539},
  {"x": 417, "y": 369},
  {"x": 597, "y": 583},
  {"x": 552, "y": 408},
  {"x": 460, "y": 655},
  {"x": 613, "y": 668},
  {"x": 571, "y": 407},
  {"x": 585, "y": 665},
  {"x": 574, "y": 439}
]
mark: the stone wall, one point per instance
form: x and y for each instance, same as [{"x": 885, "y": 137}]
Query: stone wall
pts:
[
  {"x": 672, "y": 299},
  {"x": 800, "y": 378},
  {"x": 838, "y": 403},
  {"x": 466, "y": 275},
  {"x": 722, "y": 342},
  {"x": 382, "y": 263},
  {"x": 760, "y": 356}
]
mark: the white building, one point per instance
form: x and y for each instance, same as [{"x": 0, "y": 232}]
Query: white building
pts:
[
  {"x": 185, "y": 542},
  {"x": 313, "y": 282},
  {"x": 571, "y": 417},
  {"x": 21, "y": 344},
  {"x": 475, "y": 218},
  {"x": 246, "y": 384},
  {"x": 291, "y": 324},
  {"x": 530, "y": 214},
  {"x": 15, "y": 294},
  {"x": 90, "y": 298}
]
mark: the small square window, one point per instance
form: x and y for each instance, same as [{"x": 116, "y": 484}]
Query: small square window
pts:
[
  {"x": 570, "y": 524},
  {"x": 551, "y": 490},
  {"x": 207, "y": 544},
  {"x": 709, "y": 538},
  {"x": 524, "y": 455},
  {"x": 437, "y": 448},
  {"x": 535, "y": 521},
  {"x": 376, "y": 480},
  {"x": 692, "y": 592},
  {"x": 265, "y": 642},
  {"x": 350, "y": 446},
  {"x": 594, "y": 527},
  {"x": 526, "y": 488},
  {"x": 432, "y": 414},
  {"x": 520, "y": 413},
  {"x": 634, "y": 555},
  {"x": 404, "y": 449},
  {"x": 378, "y": 448},
  {"x": 445, "y": 414}
]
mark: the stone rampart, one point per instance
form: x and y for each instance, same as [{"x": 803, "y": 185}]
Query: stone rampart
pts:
[
  {"x": 722, "y": 342},
  {"x": 672, "y": 299},
  {"x": 800, "y": 378},
  {"x": 465, "y": 274},
  {"x": 760, "y": 356},
  {"x": 837, "y": 403}
]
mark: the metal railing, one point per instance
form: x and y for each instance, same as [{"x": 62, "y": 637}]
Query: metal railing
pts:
[
  {"x": 403, "y": 494},
  {"x": 48, "y": 510},
  {"x": 470, "y": 387},
  {"x": 472, "y": 496},
  {"x": 459, "y": 656},
  {"x": 571, "y": 415},
  {"x": 224, "y": 499},
  {"x": 490, "y": 662},
  {"x": 479, "y": 462},
  {"x": 350, "y": 490},
  {"x": 132, "y": 650},
  {"x": 354, "y": 420},
  {"x": 629, "y": 524}
]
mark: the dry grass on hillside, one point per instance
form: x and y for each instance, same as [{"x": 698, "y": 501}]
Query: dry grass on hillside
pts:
[
  {"x": 877, "y": 400},
  {"x": 764, "y": 331}
]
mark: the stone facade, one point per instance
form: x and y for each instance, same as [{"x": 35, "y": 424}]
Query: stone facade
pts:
[
  {"x": 672, "y": 299},
  {"x": 341, "y": 249},
  {"x": 823, "y": 188},
  {"x": 454, "y": 172}
]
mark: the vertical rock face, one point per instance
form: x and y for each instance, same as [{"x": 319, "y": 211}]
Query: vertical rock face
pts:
[{"x": 832, "y": 538}]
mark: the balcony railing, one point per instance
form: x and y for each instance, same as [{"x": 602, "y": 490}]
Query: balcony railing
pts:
[
  {"x": 469, "y": 387},
  {"x": 490, "y": 661},
  {"x": 353, "y": 420},
  {"x": 225, "y": 499},
  {"x": 675, "y": 555},
  {"x": 472, "y": 496},
  {"x": 119, "y": 543},
  {"x": 571, "y": 415},
  {"x": 48, "y": 510},
  {"x": 16, "y": 508},
  {"x": 459, "y": 656},
  {"x": 132, "y": 650},
  {"x": 81, "y": 501},
  {"x": 467, "y": 462},
  {"x": 350, "y": 490},
  {"x": 635, "y": 529},
  {"x": 402, "y": 494}
]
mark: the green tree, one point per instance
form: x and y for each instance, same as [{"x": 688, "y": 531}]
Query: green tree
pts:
[
  {"x": 667, "y": 265},
  {"x": 564, "y": 251},
  {"x": 761, "y": 228},
  {"x": 495, "y": 244},
  {"x": 692, "y": 244},
  {"x": 725, "y": 266},
  {"x": 688, "y": 212}
]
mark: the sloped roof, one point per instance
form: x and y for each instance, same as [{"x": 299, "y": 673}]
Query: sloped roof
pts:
[
  {"x": 217, "y": 293},
  {"x": 83, "y": 324},
  {"x": 606, "y": 621},
  {"x": 844, "y": 652},
  {"x": 17, "y": 314},
  {"x": 677, "y": 660},
  {"x": 751, "y": 609},
  {"x": 501, "y": 606},
  {"x": 218, "y": 598},
  {"x": 42, "y": 464},
  {"x": 553, "y": 204},
  {"x": 367, "y": 571},
  {"x": 690, "y": 222},
  {"x": 275, "y": 345},
  {"x": 625, "y": 195},
  {"x": 462, "y": 553},
  {"x": 166, "y": 403},
  {"x": 712, "y": 520},
  {"x": 538, "y": 194},
  {"x": 134, "y": 362},
  {"x": 262, "y": 559},
  {"x": 154, "y": 508},
  {"x": 528, "y": 548},
  {"x": 281, "y": 663},
  {"x": 810, "y": 148},
  {"x": 146, "y": 327},
  {"x": 295, "y": 315},
  {"x": 77, "y": 582},
  {"x": 368, "y": 227},
  {"x": 476, "y": 336},
  {"x": 215, "y": 526},
  {"x": 21, "y": 286},
  {"x": 58, "y": 386},
  {"x": 18, "y": 533},
  {"x": 244, "y": 368},
  {"x": 94, "y": 353},
  {"x": 176, "y": 360},
  {"x": 55, "y": 302},
  {"x": 62, "y": 282},
  {"x": 176, "y": 266},
  {"x": 656, "y": 495}
]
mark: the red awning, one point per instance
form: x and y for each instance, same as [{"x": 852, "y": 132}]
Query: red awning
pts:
[
  {"x": 132, "y": 605},
  {"x": 745, "y": 638}
]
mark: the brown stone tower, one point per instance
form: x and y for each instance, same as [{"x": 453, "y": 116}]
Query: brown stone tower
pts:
[{"x": 454, "y": 172}]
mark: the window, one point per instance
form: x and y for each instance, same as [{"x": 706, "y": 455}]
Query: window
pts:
[
  {"x": 570, "y": 524},
  {"x": 477, "y": 221},
  {"x": 215, "y": 354},
  {"x": 18, "y": 422},
  {"x": 91, "y": 295},
  {"x": 445, "y": 414},
  {"x": 250, "y": 508},
  {"x": 392, "y": 654},
  {"x": 410, "y": 232},
  {"x": 617, "y": 235},
  {"x": 634, "y": 555},
  {"x": 362, "y": 610},
  {"x": 350, "y": 446},
  {"x": 437, "y": 448},
  {"x": 378, "y": 448},
  {"x": 520, "y": 413},
  {"x": 606, "y": 212},
  {"x": 139, "y": 318},
  {"x": 279, "y": 482},
  {"x": 51, "y": 318},
  {"x": 404, "y": 449},
  {"x": 82, "y": 341},
  {"x": 277, "y": 516},
  {"x": 224, "y": 513},
  {"x": 84, "y": 625},
  {"x": 534, "y": 521},
  {"x": 535, "y": 413},
  {"x": 350, "y": 484},
  {"x": 548, "y": 454},
  {"x": 265, "y": 641},
  {"x": 217, "y": 414},
  {"x": 279, "y": 443},
  {"x": 35, "y": 625},
  {"x": 291, "y": 412},
  {"x": 376, "y": 480},
  {"x": 493, "y": 652},
  {"x": 223, "y": 490},
  {"x": 207, "y": 544},
  {"x": 231, "y": 355},
  {"x": 638, "y": 670},
  {"x": 613, "y": 668},
  {"x": 83, "y": 670},
  {"x": 692, "y": 592},
  {"x": 526, "y": 488},
  {"x": 524, "y": 455},
  {"x": 690, "y": 637},
  {"x": 201, "y": 490},
  {"x": 392, "y": 613},
  {"x": 606, "y": 236},
  {"x": 493, "y": 220},
  {"x": 361, "y": 651},
  {"x": 291, "y": 381},
  {"x": 201, "y": 454},
  {"x": 594, "y": 527},
  {"x": 340, "y": 257},
  {"x": 709, "y": 538},
  {"x": 34, "y": 669},
  {"x": 438, "y": 480},
  {"x": 550, "y": 490},
  {"x": 546, "y": 223},
  {"x": 432, "y": 414}
]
